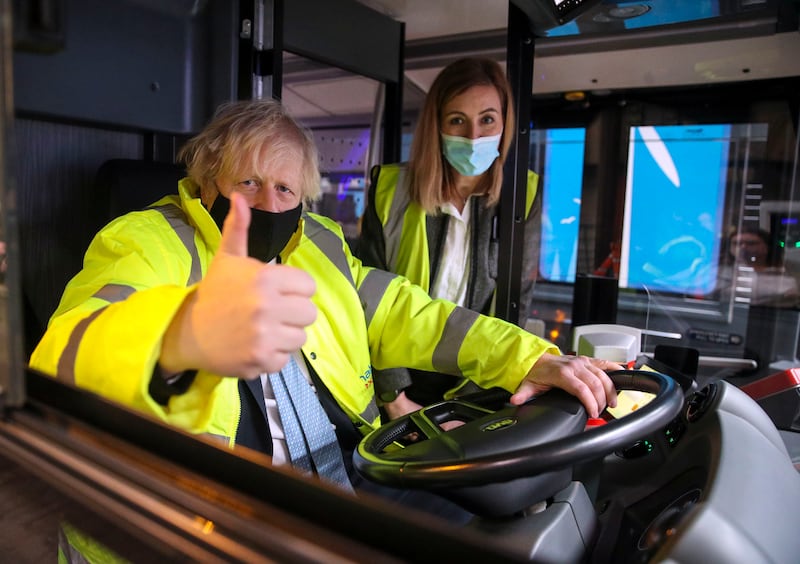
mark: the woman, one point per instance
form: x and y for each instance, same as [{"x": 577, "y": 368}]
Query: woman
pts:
[{"x": 435, "y": 220}]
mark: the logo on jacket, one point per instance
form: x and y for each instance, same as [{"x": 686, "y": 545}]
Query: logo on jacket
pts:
[{"x": 366, "y": 377}]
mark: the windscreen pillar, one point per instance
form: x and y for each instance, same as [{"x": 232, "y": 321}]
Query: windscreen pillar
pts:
[
  {"x": 515, "y": 173},
  {"x": 341, "y": 33}
]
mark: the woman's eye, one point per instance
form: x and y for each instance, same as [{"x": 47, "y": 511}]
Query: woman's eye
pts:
[
  {"x": 488, "y": 120},
  {"x": 456, "y": 121}
]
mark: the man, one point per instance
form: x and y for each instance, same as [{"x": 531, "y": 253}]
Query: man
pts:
[{"x": 183, "y": 310}]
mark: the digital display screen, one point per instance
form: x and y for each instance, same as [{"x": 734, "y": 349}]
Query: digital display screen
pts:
[
  {"x": 562, "y": 182},
  {"x": 629, "y": 401},
  {"x": 674, "y": 203},
  {"x": 613, "y": 17},
  {"x": 675, "y": 178}
]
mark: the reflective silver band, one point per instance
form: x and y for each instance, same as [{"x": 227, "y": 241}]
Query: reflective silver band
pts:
[
  {"x": 177, "y": 219},
  {"x": 330, "y": 245},
  {"x": 66, "y": 362},
  {"x": 394, "y": 223},
  {"x": 113, "y": 293},
  {"x": 372, "y": 290},
  {"x": 371, "y": 412},
  {"x": 445, "y": 355}
]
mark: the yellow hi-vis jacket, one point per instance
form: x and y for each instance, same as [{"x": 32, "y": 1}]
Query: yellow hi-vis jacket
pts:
[
  {"x": 406, "y": 237},
  {"x": 106, "y": 334}
]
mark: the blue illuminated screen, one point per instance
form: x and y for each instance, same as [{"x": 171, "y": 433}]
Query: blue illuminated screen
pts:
[
  {"x": 637, "y": 14},
  {"x": 674, "y": 205},
  {"x": 675, "y": 186},
  {"x": 561, "y": 172}
]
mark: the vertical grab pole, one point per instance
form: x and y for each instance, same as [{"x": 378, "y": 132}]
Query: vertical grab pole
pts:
[
  {"x": 515, "y": 172},
  {"x": 393, "y": 109},
  {"x": 260, "y": 72}
]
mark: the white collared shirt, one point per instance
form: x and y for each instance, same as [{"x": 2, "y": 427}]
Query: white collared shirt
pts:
[
  {"x": 280, "y": 451},
  {"x": 453, "y": 272}
]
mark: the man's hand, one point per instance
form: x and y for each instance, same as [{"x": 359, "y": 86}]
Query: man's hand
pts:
[
  {"x": 403, "y": 405},
  {"x": 246, "y": 317},
  {"x": 581, "y": 376}
]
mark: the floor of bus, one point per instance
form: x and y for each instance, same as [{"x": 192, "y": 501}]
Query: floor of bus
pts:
[{"x": 32, "y": 513}]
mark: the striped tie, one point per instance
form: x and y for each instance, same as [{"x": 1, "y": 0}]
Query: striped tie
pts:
[{"x": 309, "y": 434}]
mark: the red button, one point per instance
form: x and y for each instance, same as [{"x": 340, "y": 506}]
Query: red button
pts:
[{"x": 595, "y": 422}]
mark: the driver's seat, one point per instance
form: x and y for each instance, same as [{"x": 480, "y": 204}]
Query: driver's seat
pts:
[{"x": 125, "y": 185}]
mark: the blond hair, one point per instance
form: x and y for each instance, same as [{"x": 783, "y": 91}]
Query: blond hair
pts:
[
  {"x": 234, "y": 139},
  {"x": 431, "y": 181}
]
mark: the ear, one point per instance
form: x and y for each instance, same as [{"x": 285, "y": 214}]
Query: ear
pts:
[{"x": 208, "y": 193}]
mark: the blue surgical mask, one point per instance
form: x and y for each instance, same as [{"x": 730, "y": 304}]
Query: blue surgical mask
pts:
[{"x": 470, "y": 157}]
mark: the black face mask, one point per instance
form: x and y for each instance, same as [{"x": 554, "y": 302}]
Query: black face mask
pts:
[{"x": 269, "y": 232}]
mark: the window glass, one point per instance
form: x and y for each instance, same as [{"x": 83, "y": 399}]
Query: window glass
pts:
[
  {"x": 674, "y": 204},
  {"x": 557, "y": 155}
]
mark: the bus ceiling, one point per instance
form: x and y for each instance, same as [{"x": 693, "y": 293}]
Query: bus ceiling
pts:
[{"x": 601, "y": 46}]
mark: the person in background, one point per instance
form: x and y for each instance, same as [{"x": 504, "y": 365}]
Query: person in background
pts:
[
  {"x": 750, "y": 247},
  {"x": 753, "y": 255},
  {"x": 198, "y": 309},
  {"x": 434, "y": 220}
]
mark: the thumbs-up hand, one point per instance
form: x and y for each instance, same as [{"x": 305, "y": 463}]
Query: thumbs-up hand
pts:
[
  {"x": 234, "y": 230},
  {"x": 246, "y": 317}
]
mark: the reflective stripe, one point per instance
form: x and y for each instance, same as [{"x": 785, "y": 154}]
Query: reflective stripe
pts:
[
  {"x": 393, "y": 227},
  {"x": 185, "y": 231},
  {"x": 445, "y": 355},
  {"x": 78, "y": 547},
  {"x": 113, "y": 293},
  {"x": 371, "y": 412},
  {"x": 533, "y": 186},
  {"x": 405, "y": 235},
  {"x": 329, "y": 244},
  {"x": 372, "y": 290},
  {"x": 66, "y": 362},
  {"x": 226, "y": 441}
]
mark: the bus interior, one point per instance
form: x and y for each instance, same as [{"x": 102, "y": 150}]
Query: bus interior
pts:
[{"x": 659, "y": 130}]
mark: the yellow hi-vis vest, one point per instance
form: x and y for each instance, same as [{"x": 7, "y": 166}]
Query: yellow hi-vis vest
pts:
[
  {"x": 405, "y": 234},
  {"x": 105, "y": 336}
]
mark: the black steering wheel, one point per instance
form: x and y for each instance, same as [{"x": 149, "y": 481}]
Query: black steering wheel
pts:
[{"x": 499, "y": 442}]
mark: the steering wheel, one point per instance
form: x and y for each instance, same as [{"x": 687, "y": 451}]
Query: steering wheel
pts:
[{"x": 499, "y": 442}]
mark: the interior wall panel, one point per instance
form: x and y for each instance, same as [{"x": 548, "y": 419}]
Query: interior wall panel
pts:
[{"x": 56, "y": 168}]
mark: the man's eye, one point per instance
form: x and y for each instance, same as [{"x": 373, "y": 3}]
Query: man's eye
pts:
[
  {"x": 284, "y": 189},
  {"x": 249, "y": 184}
]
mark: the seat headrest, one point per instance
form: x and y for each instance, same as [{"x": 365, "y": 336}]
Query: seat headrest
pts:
[{"x": 133, "y": 184}]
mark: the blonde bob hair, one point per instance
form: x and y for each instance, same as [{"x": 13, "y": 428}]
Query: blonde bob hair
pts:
[
  {"x": 430, "y": 176},
  {"x": 233, "y": 140}
]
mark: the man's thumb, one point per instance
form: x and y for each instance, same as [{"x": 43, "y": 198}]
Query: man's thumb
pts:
[{"x": 235, "y": 227}]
